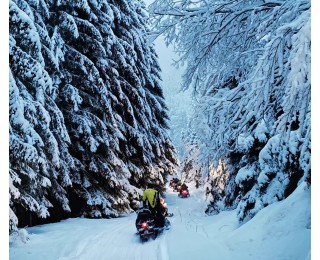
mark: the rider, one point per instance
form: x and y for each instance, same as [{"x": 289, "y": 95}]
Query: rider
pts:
[
  {"x": 151, "y": 200},
  {"x": 183, "y": 187}
]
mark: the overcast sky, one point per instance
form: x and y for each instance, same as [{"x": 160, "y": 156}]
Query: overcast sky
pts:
[
  {"x": 170, "y": 74},
  {"x": 179, "y": 103}
]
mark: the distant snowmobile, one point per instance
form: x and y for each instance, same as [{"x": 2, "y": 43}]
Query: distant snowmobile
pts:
[
  {"x": 173, "y": 183},
  {"x": 184, "y": 194},
  {"x": 177, "y": 188}
]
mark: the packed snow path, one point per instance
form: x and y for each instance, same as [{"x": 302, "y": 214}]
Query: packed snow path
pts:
[{"x": 279, "y": 232}]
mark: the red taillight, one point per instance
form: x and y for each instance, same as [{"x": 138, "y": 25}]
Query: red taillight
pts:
[
  {"x": 144, "y": 225},
  {"x": 184, "y": 192}
]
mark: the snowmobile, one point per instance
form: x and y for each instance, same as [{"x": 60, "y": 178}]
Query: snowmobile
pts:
[
  {"x": 146, "y": 223},
  {"x": 173, "y": 183},
  {"x": 177, "y": 188},
  {"x": 184, "y": 194}
]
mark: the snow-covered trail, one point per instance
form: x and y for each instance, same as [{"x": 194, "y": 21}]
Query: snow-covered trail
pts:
[
  {"x": 190, "y": 227},
  {"x": 193, "y": 235},
  {"x": 87, "y": 239},
  {"x": 113, "y": 238}
]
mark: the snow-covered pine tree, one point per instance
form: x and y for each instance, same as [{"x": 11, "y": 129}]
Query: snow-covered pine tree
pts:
[
  {"x": 38, "y": 168},
  {"x": 191, "y": 166},
  {"x": 149, "y": 148},
  {"x": 99, "y": 130},
  {"x": 84, "y": 99},
  {"x": 106, "y": 61},
  {"x": 242, "y": 60}
]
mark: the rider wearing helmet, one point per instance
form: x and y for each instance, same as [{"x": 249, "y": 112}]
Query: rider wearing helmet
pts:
[
  {"x": 184, "y": 186},
  {"x": 151, "y": 200},
  {"x": 150, "y": 197}
]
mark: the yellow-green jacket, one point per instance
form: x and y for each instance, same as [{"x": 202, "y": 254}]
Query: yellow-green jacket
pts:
[{"x": 152, "y": 196}]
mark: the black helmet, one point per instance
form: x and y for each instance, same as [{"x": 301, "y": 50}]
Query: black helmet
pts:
[{"x": 150, "y": 185}]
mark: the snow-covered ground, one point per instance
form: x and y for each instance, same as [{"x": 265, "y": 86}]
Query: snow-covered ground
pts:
[{"x": 280, "y": 231}]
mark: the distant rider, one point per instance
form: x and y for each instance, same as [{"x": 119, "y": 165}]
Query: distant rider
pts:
[{"x": 184, "y": 187}]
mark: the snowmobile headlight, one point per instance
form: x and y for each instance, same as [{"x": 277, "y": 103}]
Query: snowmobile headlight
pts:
[{"x": 144, "y": 225}]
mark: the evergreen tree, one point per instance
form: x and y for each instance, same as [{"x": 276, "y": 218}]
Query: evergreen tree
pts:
[
  {"x": 87, "y": 115},
  {"x": 249, "y": 62},
  {"x": 108, "y": 65},
  {"x": 38, "y": 137}
]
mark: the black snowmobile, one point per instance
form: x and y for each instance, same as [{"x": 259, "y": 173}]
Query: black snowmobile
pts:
[
  {"x": 184, "y": 193},
  {"x": 146, "y": 223}
]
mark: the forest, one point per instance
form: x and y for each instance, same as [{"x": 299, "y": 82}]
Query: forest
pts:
[{"x": 88, "y": 120}]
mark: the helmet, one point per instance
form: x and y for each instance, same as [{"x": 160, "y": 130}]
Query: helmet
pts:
[{"x": 150, "y": 185}]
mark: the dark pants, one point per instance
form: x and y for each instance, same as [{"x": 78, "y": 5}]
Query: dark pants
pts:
[{"x": 160, "y": 218}]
